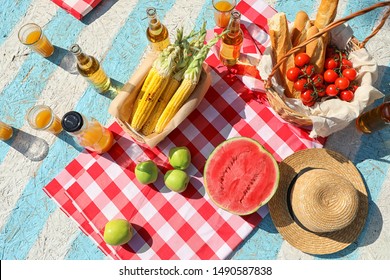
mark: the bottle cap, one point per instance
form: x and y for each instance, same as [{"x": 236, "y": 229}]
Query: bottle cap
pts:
[{"x": 72, "y": 121}]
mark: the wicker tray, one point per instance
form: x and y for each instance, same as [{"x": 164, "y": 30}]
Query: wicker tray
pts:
[
  {"x": 278, "y": 103},
  {"x": 122, "y": 105}
]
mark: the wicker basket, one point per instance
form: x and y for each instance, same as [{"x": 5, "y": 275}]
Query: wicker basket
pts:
[
  {"x": 122, "y": 105},
  {"x": 278, "y": 103}
]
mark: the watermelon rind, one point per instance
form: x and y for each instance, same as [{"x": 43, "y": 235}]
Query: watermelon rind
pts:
[{"x": 261, "y": 192}]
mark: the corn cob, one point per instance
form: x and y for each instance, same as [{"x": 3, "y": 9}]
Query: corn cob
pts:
[
  {"x": 151, "y": 74},
  {"x": 189, "y": 49},
  {"x": 150, "y": 124},
  {"x": 158, "y": 81},
  {"x": 141, "y": 93},
  {"x": 191, "y": 78}
]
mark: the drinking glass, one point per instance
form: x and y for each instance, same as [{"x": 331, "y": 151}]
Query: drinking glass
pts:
[
  {"x": 222, "y": 10},
  {"x": 41, "y": 117},
  {"x": 32, "y": 36},
  {"x": 6, "y": 131}
]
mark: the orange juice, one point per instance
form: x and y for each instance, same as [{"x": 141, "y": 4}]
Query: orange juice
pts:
[
  {"x": 6, "y": 131},
  {"x": 222, "y": 12},
  {"x": 41, "y": 117},
  {"x": 31, "y": 35},
  {"x": 96, "y": 137},
  {"x": 46, "y": 120},
  {"x": 89, "y": 133}
]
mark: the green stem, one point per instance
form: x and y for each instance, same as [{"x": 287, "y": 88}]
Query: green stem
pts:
[{"x": 194, "y": 69}]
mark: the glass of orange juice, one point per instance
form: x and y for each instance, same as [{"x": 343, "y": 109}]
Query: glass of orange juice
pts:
[
  {"x": 41, "y": 117},
  {"x": 32, "y": 36},
  {"x": 6, "y": 131},
  {"x": 222, "y": 10}
]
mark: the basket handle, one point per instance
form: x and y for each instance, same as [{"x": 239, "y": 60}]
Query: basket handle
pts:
[{"x": 330, "y": 27}]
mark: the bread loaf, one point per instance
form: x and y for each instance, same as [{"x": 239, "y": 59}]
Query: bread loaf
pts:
[
  {"x": 281, "y": 44},
  {"x": 316, "y": 50},
  {"x": 299, "y": 31},
  {"x": 326, "y": 13}
]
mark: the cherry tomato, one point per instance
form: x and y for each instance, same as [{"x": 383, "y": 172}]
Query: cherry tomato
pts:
[
  {"x": 307, "y": 95},
  {"x": 331, "y": 63},
  {"x": 293, "y": 74},
  {"x": 309, "y": 70},
  {"x": 321, "y": 92},
  {"x": 345, "y": 63},
  {"x": 318, "y": 80},
  {"x": 301, "y": 59},
  {"x": 330, "y": 76},
  {"x": 346, "y": 95},
  {"x": 350, "y": 74},
  {"x": 332, "y": 90},
  {"x": 353, "y": 88},
  {"x": 300, "y": 85},
  {"x": 341, "y": 83},
  {"x": 309, "y": 104}
]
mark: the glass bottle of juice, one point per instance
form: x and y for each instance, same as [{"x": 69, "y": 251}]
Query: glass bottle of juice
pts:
[
  {"x": 89, "y": 133},
  {"x": 157, "y": 33},
  {"x": 374, "y": 119},
  {"x": 232, "y": 41},
  {"x": 90, "y": 68}
]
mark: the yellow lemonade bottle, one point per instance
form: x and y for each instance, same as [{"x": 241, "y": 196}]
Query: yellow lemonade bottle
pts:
[
  {"x": 232, "y": 41},
  {"x": 90, "y": 68},
  {"x": 89, "y": 133},
  {"x": 41, "y": 117},
  {"x": 6, "y": 131},
  {"x": 157, "y": 33},
  {"x": 375, "y": 119}
]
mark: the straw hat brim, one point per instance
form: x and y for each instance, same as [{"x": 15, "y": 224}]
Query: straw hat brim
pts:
[{"x": 299, "y": 237}]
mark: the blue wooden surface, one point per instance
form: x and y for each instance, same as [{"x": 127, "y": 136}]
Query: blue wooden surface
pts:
[{"x": 32, "y": 227}]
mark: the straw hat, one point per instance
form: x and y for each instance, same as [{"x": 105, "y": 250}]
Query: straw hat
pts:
[{"x": 321, "y": 204}]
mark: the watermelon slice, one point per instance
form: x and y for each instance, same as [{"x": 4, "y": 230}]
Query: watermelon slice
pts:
[{"x": 240, "y": 175}]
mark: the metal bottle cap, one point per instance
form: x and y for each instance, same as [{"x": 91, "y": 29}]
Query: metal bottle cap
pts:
[{"x": 72, "y": 121}]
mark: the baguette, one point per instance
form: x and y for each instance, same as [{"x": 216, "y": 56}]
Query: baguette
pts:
[
  {"x": 316, "y": 50},
  {"x": 299, "y": 31},
  {"x": 326, "y": 13},
  {"x": 281, "y": 44}
]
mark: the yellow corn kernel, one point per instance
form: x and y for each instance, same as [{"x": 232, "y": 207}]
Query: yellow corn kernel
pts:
[
  {"x": 148, "y": 101},
  {"x": 141, "y": 93},
  {"x": 162, "y": 102},
  {"x": 181, "y": 95}
]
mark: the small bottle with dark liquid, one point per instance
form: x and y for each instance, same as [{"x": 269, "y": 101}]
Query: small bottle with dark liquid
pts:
[
  {"x": 157, "y": 33},
  {"x": 90, "y": 68},
  {"x": 375, "y": 119},
  {"x": 232, "y": 41}
]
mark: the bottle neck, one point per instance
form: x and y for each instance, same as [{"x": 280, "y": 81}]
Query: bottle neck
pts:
[
  {"x": 234, "y": 23},
  {"x": 155, "y": 26},
  {"x": 83, "y": 60}
]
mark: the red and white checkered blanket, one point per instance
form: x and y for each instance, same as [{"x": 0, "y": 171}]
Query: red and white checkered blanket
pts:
[
  {"x": 94, "y": 189},
  {"x": 77, "y": 8}
]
